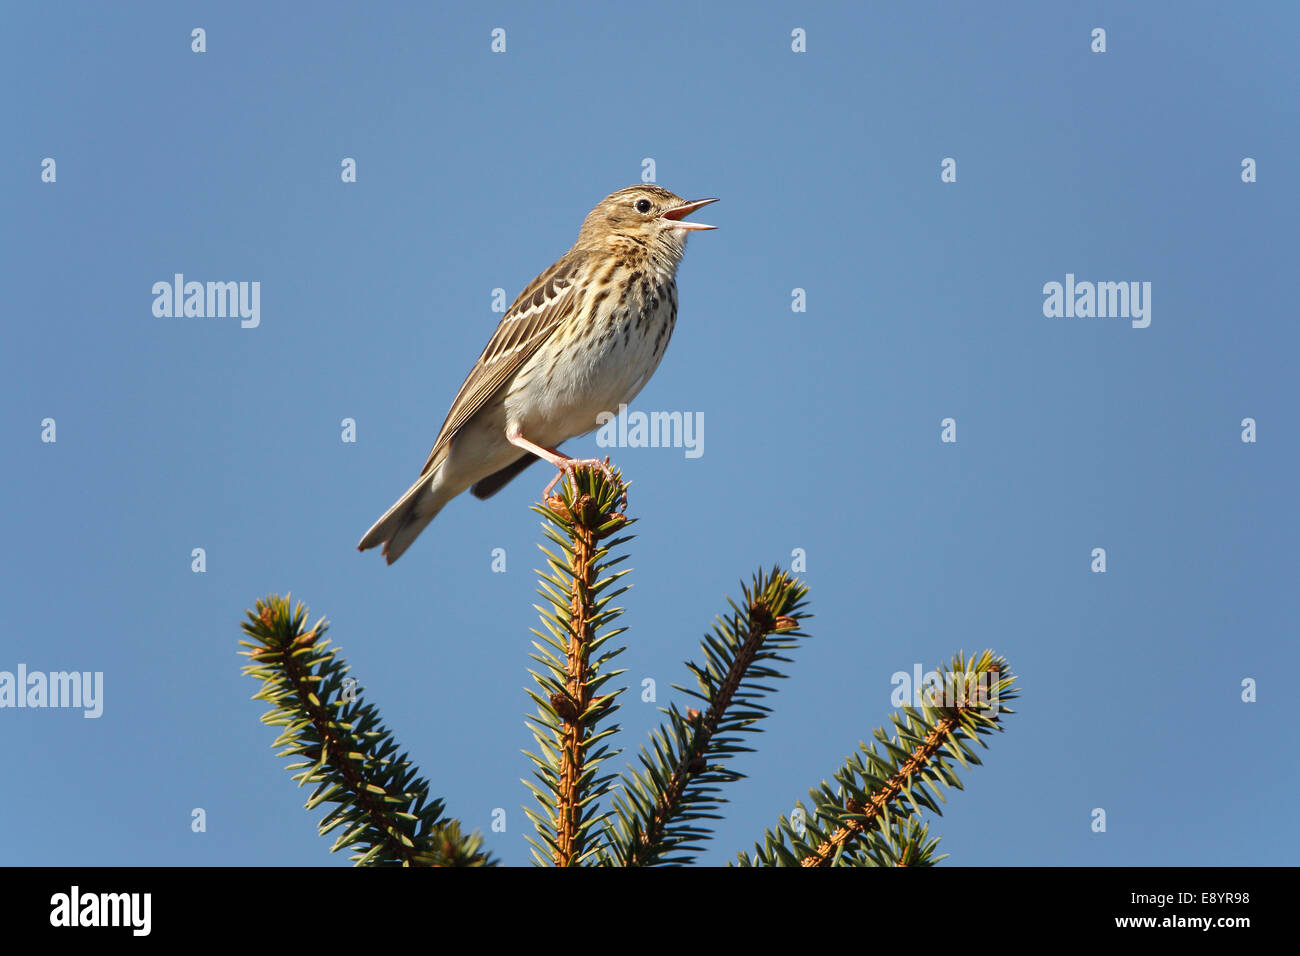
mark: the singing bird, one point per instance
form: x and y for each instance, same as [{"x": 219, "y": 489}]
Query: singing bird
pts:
[{"x": 582, "y": 338}]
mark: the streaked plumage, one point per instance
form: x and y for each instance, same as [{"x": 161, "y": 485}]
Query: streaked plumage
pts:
[{"x": 582, "y": 338}]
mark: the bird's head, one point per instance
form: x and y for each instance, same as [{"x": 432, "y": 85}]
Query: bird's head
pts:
[{"x": 644, "y": 214}]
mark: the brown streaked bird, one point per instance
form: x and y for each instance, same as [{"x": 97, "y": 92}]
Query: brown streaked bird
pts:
[{"x": 582, "y": 338}]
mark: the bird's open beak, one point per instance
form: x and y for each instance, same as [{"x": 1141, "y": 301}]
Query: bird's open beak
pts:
[{"x": 678, "y": 213}]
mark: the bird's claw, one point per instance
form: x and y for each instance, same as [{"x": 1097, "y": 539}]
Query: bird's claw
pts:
[{"x": 574, "y": 463}]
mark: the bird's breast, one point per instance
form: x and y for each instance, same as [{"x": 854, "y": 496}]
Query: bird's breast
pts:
[{"x": 600, "y": 358}]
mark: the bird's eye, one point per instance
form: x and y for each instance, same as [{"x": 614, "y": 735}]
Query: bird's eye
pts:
[{"x": 643, "y": 205}]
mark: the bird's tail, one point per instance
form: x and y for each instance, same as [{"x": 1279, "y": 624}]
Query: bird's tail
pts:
[{"x": 403, "y": 522}]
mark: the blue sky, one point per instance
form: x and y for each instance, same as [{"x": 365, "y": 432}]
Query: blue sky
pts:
[{"x": 924, "y": 301}]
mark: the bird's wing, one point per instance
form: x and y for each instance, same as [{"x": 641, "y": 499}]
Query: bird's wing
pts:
[{"x": 542, "y": 306}]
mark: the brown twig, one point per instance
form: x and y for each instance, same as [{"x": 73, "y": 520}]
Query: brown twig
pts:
[
  {"x": 334, "y": 747},
  {"x": 874, "y": 806},
  {"x": 761, "y": 623},
  {"x": 572, "y": 707}
]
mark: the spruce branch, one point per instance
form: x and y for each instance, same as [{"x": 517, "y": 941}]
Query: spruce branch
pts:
[
  {"x": 569, "y": 727},
  {"x": 660, "y": 805},
  {"x": 381, "y": 807},
  {"x": 872, "y": 817},
  {"x": 654, "y": 815}
]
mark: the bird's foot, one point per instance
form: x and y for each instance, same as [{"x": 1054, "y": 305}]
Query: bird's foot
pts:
[{"x": 569, "y": 465}]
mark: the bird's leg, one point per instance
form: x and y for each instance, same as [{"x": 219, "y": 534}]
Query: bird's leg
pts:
[
  {"x": 565, "y": 464},
  {"x": 546, "y": 492}
]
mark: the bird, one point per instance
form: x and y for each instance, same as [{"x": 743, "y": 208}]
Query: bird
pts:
[{"x": 582, "y": 338}]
